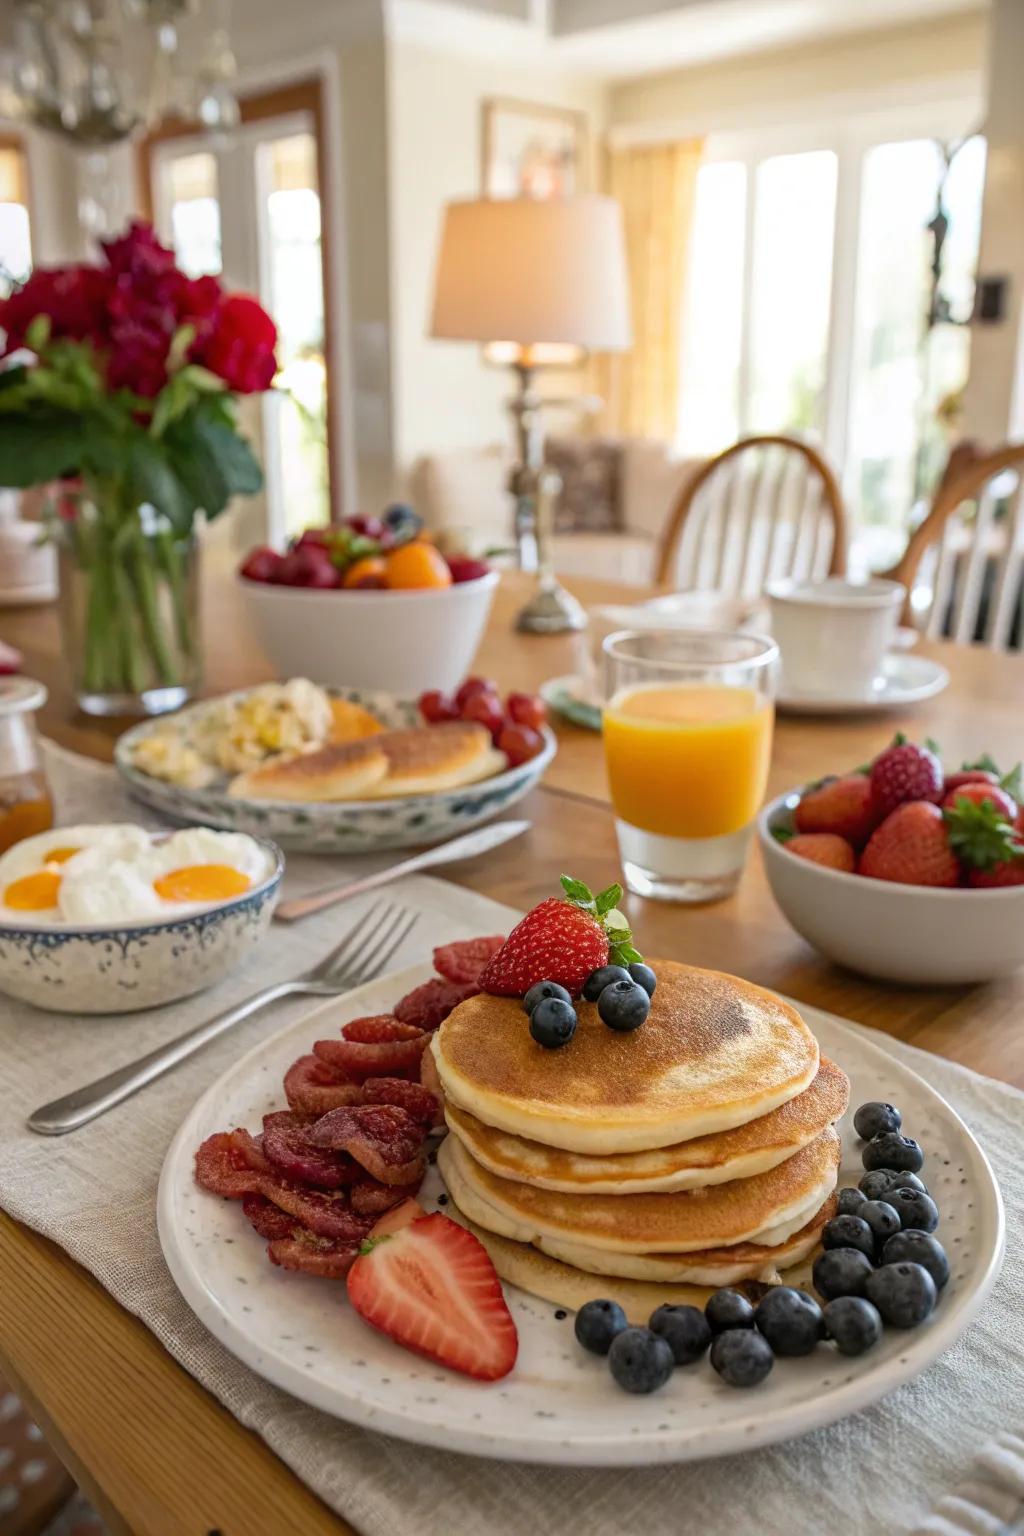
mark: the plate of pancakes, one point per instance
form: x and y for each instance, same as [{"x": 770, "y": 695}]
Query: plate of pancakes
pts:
[
  {"x": 388, "y": 781},
  {"x": 703, "y": 1149}
]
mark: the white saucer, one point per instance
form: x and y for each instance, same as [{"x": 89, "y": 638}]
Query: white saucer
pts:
[{"x": 905, "y": 680}]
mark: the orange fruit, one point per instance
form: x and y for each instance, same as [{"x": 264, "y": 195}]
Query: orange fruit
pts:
[
  {"x": 368, "y": 572},
  {"x": 417, "y": 565}
]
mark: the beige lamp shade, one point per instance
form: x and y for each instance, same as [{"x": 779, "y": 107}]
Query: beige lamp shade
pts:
[{"x": 528, "y": 271}]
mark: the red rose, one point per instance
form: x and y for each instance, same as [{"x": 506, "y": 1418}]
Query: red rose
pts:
[
  {"x": 74, "y": 298},
  {"x": 240, "y": 348}
]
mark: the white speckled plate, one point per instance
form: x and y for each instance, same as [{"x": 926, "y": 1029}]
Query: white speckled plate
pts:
[{"x": 559, "y": 1405}]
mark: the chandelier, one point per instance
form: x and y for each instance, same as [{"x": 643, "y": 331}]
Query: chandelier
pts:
[{"x": 98, "y": 71}]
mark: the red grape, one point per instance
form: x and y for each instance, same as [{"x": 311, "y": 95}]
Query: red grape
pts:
[
  {"x": 308, "y": 565},
  {"x": 485, "y": 709},
  {"x": 261, "y": 564},
  {"x": 474, "y": 685},
  {"x": 519, "y": 743},
  {"x": 526, "y": 709},
  {"x": 463, "y": 568},
  {"x": 436, "y": 706}
]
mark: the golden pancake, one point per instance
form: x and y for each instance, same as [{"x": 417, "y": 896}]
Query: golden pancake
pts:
[
  {"x": 567, "y": 1285},
  {"x": 766, "y": 1209},
  {"x": 428, "y": 758},
  {"x": 714, "y": 1053},
  {"x": 338, "y": 771},
  {"x": 716, "y": 1159},
  {"x": 351, "y": 722}
]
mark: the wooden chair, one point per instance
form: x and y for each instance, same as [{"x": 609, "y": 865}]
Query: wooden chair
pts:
[
  {"x": 963, "y": 567},
  {"x": 765, "y": 507}
]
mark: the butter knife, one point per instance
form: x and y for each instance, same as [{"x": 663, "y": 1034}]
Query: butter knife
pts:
[{"x": 468, "y": 846}]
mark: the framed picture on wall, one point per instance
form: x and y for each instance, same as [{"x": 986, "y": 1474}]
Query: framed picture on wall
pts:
[{"x": 532, "y": 150}]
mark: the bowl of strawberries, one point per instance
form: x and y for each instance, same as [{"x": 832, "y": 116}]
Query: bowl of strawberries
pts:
[
  {"x": 370, "y": 603},
  {"x": 904, "y": 869}
]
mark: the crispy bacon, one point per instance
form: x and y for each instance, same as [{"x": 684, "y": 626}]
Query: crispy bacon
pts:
[
  {"x": 383, "y": 1138},
  {"x": 312, "y": 1087},
  {"x": 429, "y": 1005},
  {"x": 370, "y": 1197},
  {"x": 225, "y": 1166},
  {"x": 465, "y": 959},
  {"x": 374, "y": 1047},
  {"x": 412, "y": 1097},
  {"x": 263, "y": 1215},
  {"x": 327, "y": 1257},
  {"x": 287, "y": 1146}
]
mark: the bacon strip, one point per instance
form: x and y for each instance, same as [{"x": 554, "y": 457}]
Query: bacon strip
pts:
[
  {"x": 383, "y": 1138},
  {"x": 370, "y": 1197},
  {"x": 328, "y": 1258},
  {"x": 231, "y": 1164},
  {"x": 412, "y": 1097},
  {"x": 374, "y": 1047},
  {"x": 429, "y": 1004},
  {"x": 287, "y": 1146},
  {"x": 312, "y": 1087}
]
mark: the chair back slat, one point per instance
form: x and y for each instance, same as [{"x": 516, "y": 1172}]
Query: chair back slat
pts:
[
  {"x": 767, "y": 506},
  {"x": 963, "y": 565}
]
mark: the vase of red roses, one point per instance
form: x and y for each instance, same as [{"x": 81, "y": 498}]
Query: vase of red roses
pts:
[{"x": 120, "y": 392}]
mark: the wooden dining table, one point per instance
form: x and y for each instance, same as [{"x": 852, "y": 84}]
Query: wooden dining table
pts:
[{"x": 154, "y": 1451}]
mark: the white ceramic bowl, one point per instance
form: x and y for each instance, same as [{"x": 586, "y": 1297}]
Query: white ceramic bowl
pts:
[
  {"x": 121, "y": 968},
  {"x": 906, "y": 933},
  {"x": 400, "y": 642}
]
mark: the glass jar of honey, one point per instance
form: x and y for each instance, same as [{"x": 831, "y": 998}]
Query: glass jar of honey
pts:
[{"x": 26, "y": 805}]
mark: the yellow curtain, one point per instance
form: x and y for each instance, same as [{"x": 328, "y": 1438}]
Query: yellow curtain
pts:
[{"x": 656, "y": 185}]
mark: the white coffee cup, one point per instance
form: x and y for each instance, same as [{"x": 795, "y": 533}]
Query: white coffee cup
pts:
[{"x": 833, "y": 634}]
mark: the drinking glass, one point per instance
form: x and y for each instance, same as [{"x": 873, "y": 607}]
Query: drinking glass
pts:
[{"x": 687, "y": 724}]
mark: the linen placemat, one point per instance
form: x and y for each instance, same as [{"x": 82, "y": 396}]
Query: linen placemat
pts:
[{"x": 932, "y": 1445}]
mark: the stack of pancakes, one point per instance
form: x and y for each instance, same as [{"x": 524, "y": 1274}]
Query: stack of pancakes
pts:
[{"x": 697, "y": 1151}]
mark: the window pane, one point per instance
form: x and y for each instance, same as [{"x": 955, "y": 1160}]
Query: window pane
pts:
[
  {"x": 906, "y": 378},
  {"x": 15, "y": 243},
  {"x": 194, "y": 213},
  {"x": 296, "y": 299},
  {"x": 791, "y": 291},
  {"x": 713, "y": 312}
]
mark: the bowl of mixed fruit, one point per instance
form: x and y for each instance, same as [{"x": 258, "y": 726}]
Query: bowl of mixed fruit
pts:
[
  {"x": 903, "y": 868},
  {"x": 369, "y": 603}
]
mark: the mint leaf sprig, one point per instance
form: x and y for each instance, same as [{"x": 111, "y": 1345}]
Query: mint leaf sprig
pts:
[{"x": 604, "y": 908}]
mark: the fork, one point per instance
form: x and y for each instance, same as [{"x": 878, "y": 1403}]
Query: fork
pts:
[{"x": 384, "y": 928}]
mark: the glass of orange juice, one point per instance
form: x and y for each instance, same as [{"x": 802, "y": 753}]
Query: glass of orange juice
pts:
[{"x": 687, "y": 725}]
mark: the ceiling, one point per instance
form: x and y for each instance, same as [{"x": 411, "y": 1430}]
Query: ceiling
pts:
[{"x": 624, "y": 37}]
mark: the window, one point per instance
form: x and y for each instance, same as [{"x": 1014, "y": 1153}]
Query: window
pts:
[
  {"x": 194, "y": 213},
  {"x": 15, "y": 239},
  {"x": 712, "y": 332}
]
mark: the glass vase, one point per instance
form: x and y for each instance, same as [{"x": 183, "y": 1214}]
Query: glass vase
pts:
[{"x": 129, "y": 607}]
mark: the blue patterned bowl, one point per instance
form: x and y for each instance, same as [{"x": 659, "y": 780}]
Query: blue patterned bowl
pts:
[
  {"x": 101, "y": 969},
  {"x": 344, "y": 826}
]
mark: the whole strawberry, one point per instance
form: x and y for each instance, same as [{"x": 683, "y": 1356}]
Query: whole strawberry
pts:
[
  {"x": 984, "y": 837},
  {"x": 904, "y": 772},
  {"x": 844, "y": 806},
  {"x": 912, "y": 847},
  {"x": 982, "y": 794},
  {"x": 563, "y": 940},
  {"x": 825, "y": 848}
]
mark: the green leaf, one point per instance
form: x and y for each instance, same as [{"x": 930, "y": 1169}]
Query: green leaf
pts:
[
  {"x": 782, "y": 834},
  {"x": 37, "y": 333},
  {"x": 615, "y": 919},
  {"x": 933, "y": 745},
  {"x": 979, "y": 834},
  {"x": 608, "y": 899},
  {"x": 153, "y": 478},
  {"x": 177, "y": 352},
  {"x": 985, "y": 764},
  {"x": 46, "y": 447},
  {"x": 1012, "y": 782},
  {"x": 623, "y": 953},
  {"x": 579, "y": 894}
]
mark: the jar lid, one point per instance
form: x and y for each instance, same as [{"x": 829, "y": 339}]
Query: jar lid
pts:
[{"x": 21, "y": 694}]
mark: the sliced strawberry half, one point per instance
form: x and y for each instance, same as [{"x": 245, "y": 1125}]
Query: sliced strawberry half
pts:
[{"x": 431, "y": 1287}]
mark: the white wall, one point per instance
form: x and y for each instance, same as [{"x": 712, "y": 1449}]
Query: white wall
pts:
[{"x": 444, "y": 395}]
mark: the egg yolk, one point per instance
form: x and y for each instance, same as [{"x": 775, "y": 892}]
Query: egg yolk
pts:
[
  {"x": 61, "y": 855},
  {"x": 33, "y": 893},
  {"x": 202, "y": 882}
]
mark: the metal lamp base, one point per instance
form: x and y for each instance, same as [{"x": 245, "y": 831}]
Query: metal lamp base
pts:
[{"x": 551, "y": 611}]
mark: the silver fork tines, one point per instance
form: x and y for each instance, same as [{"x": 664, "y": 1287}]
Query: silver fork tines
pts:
[{"x": 359, "y": 956}]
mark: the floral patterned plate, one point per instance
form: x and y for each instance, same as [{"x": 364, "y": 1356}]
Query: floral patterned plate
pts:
[{"x": 349, "y": 826}]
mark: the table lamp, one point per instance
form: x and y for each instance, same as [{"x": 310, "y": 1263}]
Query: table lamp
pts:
[{"x": 542, "y": 278}]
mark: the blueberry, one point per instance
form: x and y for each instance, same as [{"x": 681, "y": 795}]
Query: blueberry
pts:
[
  {"x": 728, "y": 1309},
  {"x": 841, "y": 1272},
  {"x": 904, "y": 1293},
  {"x": 915, "y": 1209},
  {"x": 891, "y": 1150},
  {"x": 542, "y": 989},
  {"x": 640, "y": 1360},
  {"x": 402, "y": 519},
  {"x": 741, "y": 1357},
  {"x": 643, "y": 976},
  {"x": 880, "y": 1183},
  {"x": 881, "y": 1217},
  {"x": 853, "y": 1323},
  {"x": 912, "y": 1247},
  {"x": 850, "y": 1201},
  {"x": 601, "y": 978},
  {"x": 684, "y": 1329},
  {"x": 597, "y": 1323},
  {"x": 623, "y": 1005},
  {"x": 874, "y": 1119},
  {"x": 849, "y": 1232},
  {"x": 553, "y": 1023},
  {"x": 790, "y": 1320}
]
